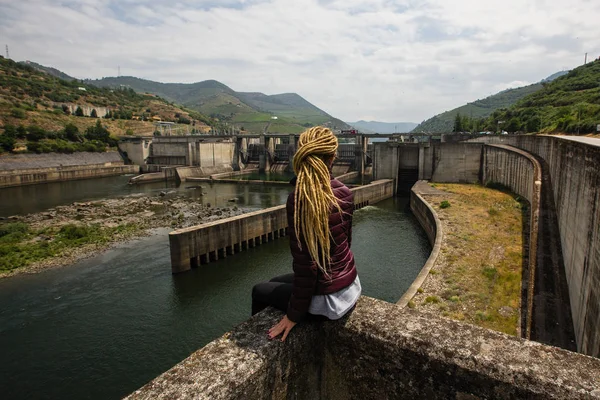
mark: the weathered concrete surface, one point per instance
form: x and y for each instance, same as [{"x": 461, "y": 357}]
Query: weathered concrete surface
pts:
[
  {"x": 454, "y": 162},
  {"x": 245, "y": 364},
  {"x": 432, "y": 226},
  {"x": 136, "y": 149},
  {"x": 203, "y": 243},
  {"x": 380, "y": 351},
  {"x": 28, "y": 169},
  {"x": 575, "y": 178},
  {"x": 383, "y": 351}
]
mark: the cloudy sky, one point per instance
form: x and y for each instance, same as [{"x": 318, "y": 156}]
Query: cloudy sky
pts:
[{"x": 385, "y": 60}]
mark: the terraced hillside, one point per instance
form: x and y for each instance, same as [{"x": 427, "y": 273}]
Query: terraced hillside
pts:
[{"x": 36, "y": 107}]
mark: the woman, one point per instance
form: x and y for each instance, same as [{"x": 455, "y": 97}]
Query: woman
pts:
[{"x": 319, "y": 211}]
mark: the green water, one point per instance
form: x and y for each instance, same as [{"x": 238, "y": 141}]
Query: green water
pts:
[{"x": 107, "y": 325}]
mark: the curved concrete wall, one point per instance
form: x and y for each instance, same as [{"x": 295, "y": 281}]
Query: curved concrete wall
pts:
[
  {"x": 575, "y": 172},
  {"x": 432, "y": 226},
  {"x": 521, "y": 173}
]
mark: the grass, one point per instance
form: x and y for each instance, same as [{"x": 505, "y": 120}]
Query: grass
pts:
[
  {"x": 21, "y": 246},
  {"x": 480, "y": 268}
]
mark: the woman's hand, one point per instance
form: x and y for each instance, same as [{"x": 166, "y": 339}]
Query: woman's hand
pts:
[{"x": 284, "y": 326}]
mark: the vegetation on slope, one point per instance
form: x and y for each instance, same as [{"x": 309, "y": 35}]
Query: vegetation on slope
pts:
[
  {"x": 479, "y": 109},
  {"x": 252, "y": 112},
  {"x": 36, "y": 108},
  {"x": 569, "y": 104}
]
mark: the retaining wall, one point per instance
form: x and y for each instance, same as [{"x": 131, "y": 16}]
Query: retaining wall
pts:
[
  {"x": 379, "y": 351},
  {"x": 432, "y": 226},
  {"x": 28, "y": 169},
  {"x": 521, "y": 172},
  {"x": 195, "y": 245},
  {"x": 575, "y": 174}
]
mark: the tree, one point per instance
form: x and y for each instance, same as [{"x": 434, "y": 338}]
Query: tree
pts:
[
  {"x": 7, "y": 143},
  {"x": 108, "y": 115},
  {"x": 94, "y": 114},
  {"x": 458, "y": 127},
  {"x": 21, "y": 132},
  {"x": 66, "y": 109},
  {"x": 35, "y": 133},
  {"x": 72, "y": 133},
  {"x": 97, "y": 132},
  {"x": 79, "y": 112}
]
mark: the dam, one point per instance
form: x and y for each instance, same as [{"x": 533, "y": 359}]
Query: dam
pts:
[
  {"x": 412, "y": 354},
  {"x": 542, "y": 170}
]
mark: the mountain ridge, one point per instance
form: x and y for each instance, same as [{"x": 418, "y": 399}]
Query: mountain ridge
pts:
[
  {"x": 482, "y": 108},
  {"x": 252, "y": 111}
]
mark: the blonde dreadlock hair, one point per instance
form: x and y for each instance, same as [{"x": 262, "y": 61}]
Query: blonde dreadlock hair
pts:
[{"x": 313, "y": 194}]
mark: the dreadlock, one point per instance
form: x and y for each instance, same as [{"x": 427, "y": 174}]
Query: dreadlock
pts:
[{"x": 313, "y": 194}]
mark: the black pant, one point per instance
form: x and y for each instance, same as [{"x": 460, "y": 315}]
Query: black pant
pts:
[{"x": 276, "y": 293}]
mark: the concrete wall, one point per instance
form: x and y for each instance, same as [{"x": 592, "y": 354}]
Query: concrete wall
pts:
[
  {"x": 137, "y": 150},
  {"x": 432, "y": 226},
  {"x": 192, "y": 151},
  {"x": 28, "y": 169},
  {"x": 200, "y": 244},
  {"x": 455, "y": 162},
  {"x": 380, "y": 351},
  {"x": 522, "y": 174},
  {"x": 575, "y": 173}
]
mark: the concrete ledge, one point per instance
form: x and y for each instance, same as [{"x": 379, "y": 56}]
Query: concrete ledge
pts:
[
  {"x": 379, "y": 351},
  {"x": 429, "y": 221},
  {"x": 61, "y": 174}
]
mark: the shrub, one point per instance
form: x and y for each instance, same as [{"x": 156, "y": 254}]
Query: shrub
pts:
[
  {"x": 13, "y": 228},
  {"x": 445, "y": 204},
  {"x": 18, "y": 113},
  {"x": 74, "y": 232},
  {"x": 432, "y": 300}
]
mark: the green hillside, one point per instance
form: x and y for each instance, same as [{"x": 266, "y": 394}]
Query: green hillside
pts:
[
  {"x": 41, "y": 112},
  {"x": 252, "y": 111},
  {"x": 444, "y": 122},
  {"x": 569, "y": 104}
]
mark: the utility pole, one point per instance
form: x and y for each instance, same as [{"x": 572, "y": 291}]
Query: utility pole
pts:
[
  {"x": 118, "y": 71},
  {"x": 7, "y": 56},
  {"x": 585, "y": 60}
]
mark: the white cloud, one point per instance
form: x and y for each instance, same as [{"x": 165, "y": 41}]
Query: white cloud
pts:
[{"x": 380, "y": 59}]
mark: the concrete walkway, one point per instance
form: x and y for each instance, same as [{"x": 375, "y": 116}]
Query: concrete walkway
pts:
[{"x": 581, "y": 139}]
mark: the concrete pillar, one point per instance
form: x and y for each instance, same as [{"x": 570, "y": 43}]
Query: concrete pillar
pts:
[
  {"x": 421, "y": 161},
  {"x": 358, "y": 156},
  {"x": 291, "y": 151},
  {"x": 263, "y": 158},
  {"x": 237, "y": 147}
]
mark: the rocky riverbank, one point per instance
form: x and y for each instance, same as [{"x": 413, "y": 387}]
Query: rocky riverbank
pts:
[{"x": 65, "y": 234}]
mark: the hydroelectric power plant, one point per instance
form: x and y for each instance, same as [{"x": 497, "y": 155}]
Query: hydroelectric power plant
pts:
[{"x": 146, "y": 319}]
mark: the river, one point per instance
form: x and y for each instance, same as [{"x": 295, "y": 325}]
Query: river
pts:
[{"x": 107, "y": 325}]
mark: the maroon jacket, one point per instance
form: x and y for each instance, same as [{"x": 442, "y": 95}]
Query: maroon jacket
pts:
[{"x": 308, "y": 279}]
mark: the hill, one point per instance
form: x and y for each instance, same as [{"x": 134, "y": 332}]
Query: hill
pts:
[
  {"x": 383, "y": 127},
  {"x": 444, "y": 122},
  {"x": 249, "y": 111},
  {"x": 36, "y": 107},
  {"x": 569, "y": 104}
]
